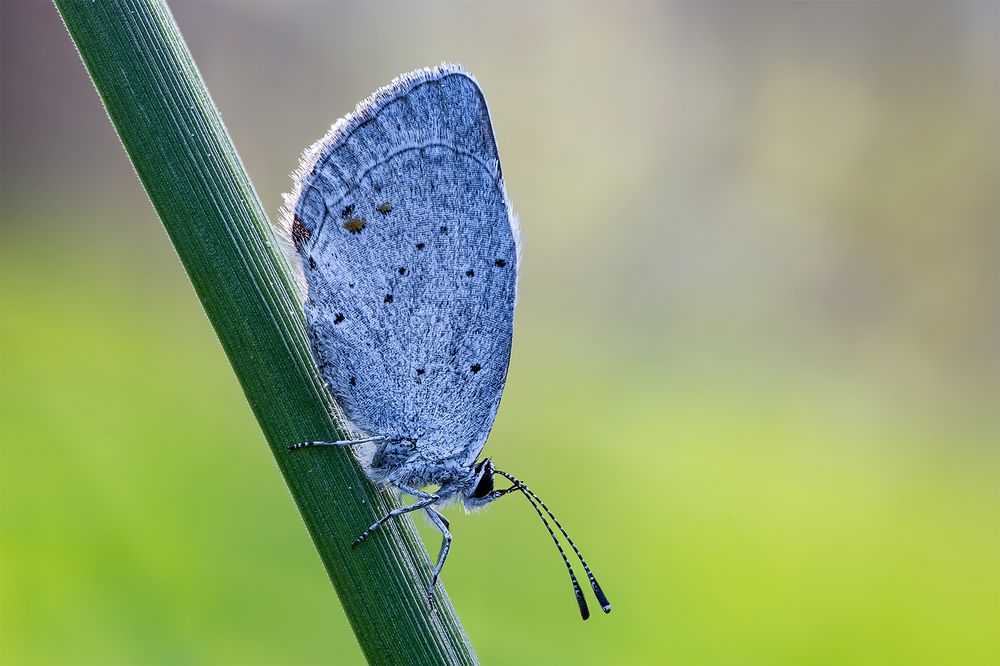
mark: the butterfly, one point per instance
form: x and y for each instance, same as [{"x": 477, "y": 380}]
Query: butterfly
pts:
[{"x": 409, "y": 253}]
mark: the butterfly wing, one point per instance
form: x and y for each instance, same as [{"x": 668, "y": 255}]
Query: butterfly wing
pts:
[{"x": 409, "y": 252}]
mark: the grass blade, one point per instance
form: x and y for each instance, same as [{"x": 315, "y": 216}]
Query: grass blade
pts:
[{"x": 187, "y": 162}]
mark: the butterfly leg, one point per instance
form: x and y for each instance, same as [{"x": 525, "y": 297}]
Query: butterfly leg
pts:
[
  {"x": 343, "y": 442},
  {"x": 426, "y": 499},
  {"x": 442, "y": 524}
]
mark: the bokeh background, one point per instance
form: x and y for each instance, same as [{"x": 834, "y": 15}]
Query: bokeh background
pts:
[{"x": 755, "y": 367}]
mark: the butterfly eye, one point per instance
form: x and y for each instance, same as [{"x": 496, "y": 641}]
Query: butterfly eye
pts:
[{"x": 485, "y": 485}]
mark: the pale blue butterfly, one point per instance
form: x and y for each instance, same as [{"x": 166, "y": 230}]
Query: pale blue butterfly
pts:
[{"x": 409, "y": 254}]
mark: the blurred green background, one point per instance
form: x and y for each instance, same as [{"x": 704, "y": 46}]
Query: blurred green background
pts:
[{"x": 755, "y": 367}]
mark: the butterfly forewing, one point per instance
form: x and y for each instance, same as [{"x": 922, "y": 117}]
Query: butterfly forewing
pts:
[{"x": 408, "y": 247}]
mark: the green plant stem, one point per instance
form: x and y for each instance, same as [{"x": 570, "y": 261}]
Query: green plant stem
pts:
[{"x": 187, "y": 162}]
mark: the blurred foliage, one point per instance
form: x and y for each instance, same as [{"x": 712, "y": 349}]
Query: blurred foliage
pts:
[{"x": 755, "y": 369}]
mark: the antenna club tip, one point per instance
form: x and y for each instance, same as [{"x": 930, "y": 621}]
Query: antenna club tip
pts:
[{"x": 606, "y": 608}]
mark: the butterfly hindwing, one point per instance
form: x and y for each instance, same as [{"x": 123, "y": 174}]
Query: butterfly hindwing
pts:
[{"x": 408, "y": 247}]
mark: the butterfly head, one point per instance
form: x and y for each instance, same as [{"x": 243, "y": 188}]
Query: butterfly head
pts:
[{"x": 479, "y": 490}]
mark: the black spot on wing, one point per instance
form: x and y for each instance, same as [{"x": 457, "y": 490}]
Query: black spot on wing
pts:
[
  {"x": 355, "y": 224},
  {"x": 299, "y": 233}
]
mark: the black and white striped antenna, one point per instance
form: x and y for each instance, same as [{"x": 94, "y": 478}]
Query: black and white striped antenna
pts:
[{"x": 535, "y": 502}]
